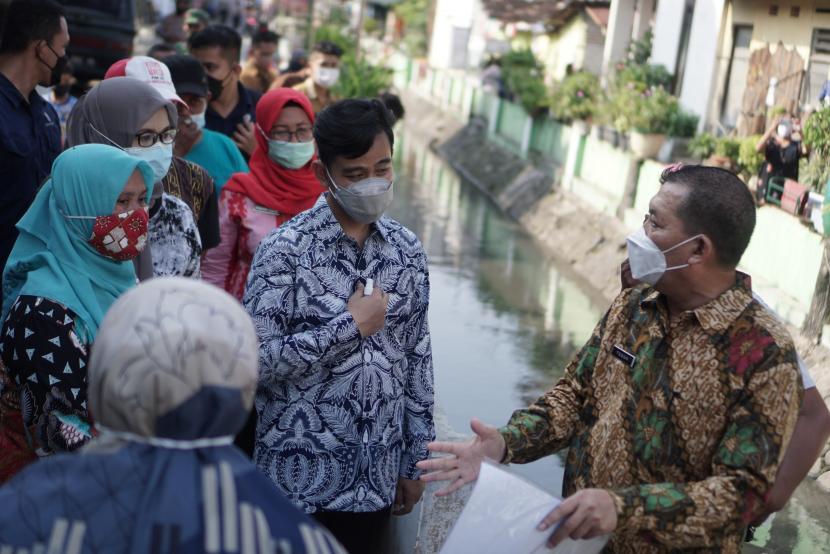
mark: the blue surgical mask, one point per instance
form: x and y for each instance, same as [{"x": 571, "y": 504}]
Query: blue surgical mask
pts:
[
  {"x": 291, "y": 155},
  {"x": 198, "y": 119},
  {"x": 159, "y": 156}
]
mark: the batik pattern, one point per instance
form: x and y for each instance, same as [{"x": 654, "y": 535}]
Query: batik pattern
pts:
[
  {"x": 341, "y": 418},
  {"x": 688, "y": 438},
  {"x": 174, "y": 239},
  {"x": 44, "y": 384}
]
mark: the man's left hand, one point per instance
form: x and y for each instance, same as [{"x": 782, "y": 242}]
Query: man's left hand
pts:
[
  {"x": 587, "y": 514},
  {"x": 244, "y": 137},
  {"x": 407, "y": 494}
]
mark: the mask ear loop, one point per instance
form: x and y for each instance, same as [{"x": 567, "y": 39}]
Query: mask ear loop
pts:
[
  {"x": 678, "y": 245},
  {"x": 91, "y": 126},
  {"x": 331, "y": 179}
]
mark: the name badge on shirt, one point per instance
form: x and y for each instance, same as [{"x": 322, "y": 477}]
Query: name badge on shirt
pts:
[
  {"x": 265, "y": 210},
  {"x": 625, "y": 357}
]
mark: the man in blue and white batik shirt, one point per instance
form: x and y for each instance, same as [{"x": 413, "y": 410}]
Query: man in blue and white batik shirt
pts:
[{"x": 339, "y": 296}]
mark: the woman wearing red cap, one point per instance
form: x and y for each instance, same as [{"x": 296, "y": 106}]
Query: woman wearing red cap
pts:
[{"x": 280, "y": 185}]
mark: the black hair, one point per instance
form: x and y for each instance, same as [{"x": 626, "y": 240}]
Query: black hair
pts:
[
  {"x": 155, "y": 49},
  {"x": 265, "y": 36},
  {"x": 328, "y": 47},
  {"x": 226, "y": 38},
  {"x": 717, "y": 204},
  {"x": 348, "y": 128},
  {"x": 393, "y": 104},
  {"x": 28, "y": 21}
]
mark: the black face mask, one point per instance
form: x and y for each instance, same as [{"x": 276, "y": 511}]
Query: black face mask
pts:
[
  {"x": 216, "y": 86},
  {"x": 61, "y": 90},
  {"x": 57, "y": 69}
]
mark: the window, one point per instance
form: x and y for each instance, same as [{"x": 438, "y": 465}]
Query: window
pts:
[
  {"x": 683, "y": 47},
  {"x": 818, "y": 66},
  {"x": 736, "y": 75}
]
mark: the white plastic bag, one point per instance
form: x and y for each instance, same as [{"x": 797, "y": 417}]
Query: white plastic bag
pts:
[{"x": 501, "y": 516}]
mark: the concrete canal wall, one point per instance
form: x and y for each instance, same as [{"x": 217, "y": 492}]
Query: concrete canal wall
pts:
[{"x": 579, "y": 196}]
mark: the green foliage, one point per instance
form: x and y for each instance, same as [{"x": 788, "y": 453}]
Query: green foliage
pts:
[
  {"x": 703, "y": 145},
  {"x": 728, "y": 147},
  {"x": 638, "y": 99},
  {"x": 644, "y": 75},
  {"x": 522, "y": 73},
  {"x": 639, "y": 51},
  {"x": 749, "y": 159},
  {"x": 336, "y": 34},
  {"x": 816, "y": 131},
  {"x": 683, "y": 124},
  {"x": 577, "y": 97},
  {"x": 652, "y": 110},
  {"x": 814, "y": 173},
  {"x": 371, "y": 26},
  {"x": 361, "y": 79},
  {"x": 414, "y": 14}
]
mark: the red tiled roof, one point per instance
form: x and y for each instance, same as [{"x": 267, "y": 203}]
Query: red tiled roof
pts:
[
  {"x": 543, "y": 11},
  {"x": 598, "y": 14}
]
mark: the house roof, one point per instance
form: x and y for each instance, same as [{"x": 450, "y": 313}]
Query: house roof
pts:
[
  {"x": 550, "y": 12},
  {"x": 599, "y": 15}
]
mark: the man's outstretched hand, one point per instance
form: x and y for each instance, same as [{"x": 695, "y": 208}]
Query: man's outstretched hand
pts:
[{"x": 464, "y": 462}]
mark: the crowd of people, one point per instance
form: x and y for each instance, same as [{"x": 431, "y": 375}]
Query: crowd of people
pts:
[{"x": 214, "y": 339}]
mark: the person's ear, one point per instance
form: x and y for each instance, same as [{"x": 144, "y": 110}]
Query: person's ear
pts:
[
  {"x": 320, "y": 173},
  {"x": 704, "y": 251}
]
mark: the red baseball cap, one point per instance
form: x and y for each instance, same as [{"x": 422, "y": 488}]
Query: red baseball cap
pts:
[{"x": 149, "y": 70}]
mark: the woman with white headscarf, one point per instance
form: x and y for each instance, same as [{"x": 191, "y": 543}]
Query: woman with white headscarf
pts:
[{"x": 171, "y": 380}]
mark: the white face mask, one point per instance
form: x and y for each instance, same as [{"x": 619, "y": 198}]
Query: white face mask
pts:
[
  {"x": 326, "y": 77},
  {"x": 784, "y": 131},
  {"x": 647, "y": 261},
  {"x": 159, "y": 156},
  {"x": 198, "y": 119}
]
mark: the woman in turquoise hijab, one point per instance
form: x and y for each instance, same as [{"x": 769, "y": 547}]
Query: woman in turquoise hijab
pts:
[{"x": 71, "y": 261}]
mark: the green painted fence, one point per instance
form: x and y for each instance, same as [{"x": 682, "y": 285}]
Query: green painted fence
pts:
[{"x": 550, "y": 139}]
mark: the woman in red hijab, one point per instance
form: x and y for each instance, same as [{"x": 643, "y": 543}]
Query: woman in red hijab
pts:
[{"x": 280, "y": 185}]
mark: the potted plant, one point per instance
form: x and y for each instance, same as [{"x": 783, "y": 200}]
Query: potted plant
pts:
[
  {"x": 727, "y": 151},
  {"x": 648, "y": 116},
  {"x": 682, "y": 128},
  {"x": 576, "y": 99},
  {"x": 523, "y": 76},
  {"x": 749, "y": 159},
  {"x": 703, "y": 146}
]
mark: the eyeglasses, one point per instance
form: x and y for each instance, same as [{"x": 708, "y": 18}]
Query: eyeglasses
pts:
[
  {"x": 303, "y": 135},
  {"x": 146, "y": 139}
]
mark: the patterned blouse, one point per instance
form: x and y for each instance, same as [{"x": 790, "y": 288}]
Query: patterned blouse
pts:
[
  {"x": 176, "y": 246},
  {"x": 43, "y": 386},
  {"x": 341, "y": 417},
  {"x": 684, "y": 420},
  {"x": 191, "y": 183},
  {"x": 242, "y": 226}
]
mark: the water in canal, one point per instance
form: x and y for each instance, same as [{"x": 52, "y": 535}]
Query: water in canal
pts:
[{"x": 505, "y": 320}]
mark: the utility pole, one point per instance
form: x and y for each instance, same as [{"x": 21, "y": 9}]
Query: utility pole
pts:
[
  {"x": 357, "y": 54},
  {"x": 310, "y": 27}
]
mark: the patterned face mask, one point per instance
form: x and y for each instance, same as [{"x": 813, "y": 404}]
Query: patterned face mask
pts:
[{"x": 122, "y": 236}]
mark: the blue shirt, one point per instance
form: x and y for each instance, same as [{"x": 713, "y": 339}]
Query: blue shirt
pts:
[
  {"x": 30, "y": 139},
  {"x": 219, "y": 156},
  {"x": 341, "y": 417}
]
